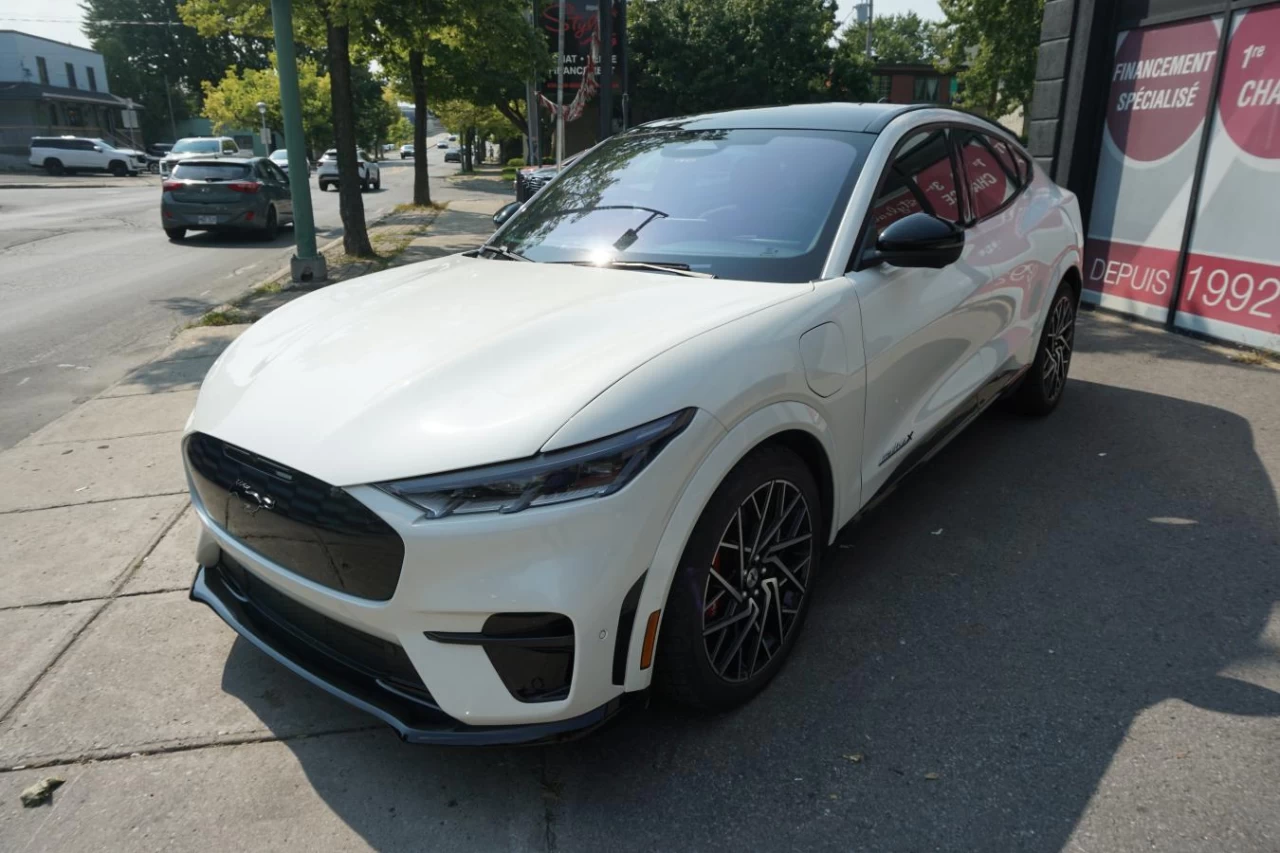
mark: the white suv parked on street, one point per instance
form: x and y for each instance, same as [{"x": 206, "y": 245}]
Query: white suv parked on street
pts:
[
  {"x": 327, "y": 173},
  {"x": 203, "y": 147},
  {"x": 62, "y": 154}
]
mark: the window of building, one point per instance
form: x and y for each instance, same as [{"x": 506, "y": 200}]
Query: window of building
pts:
[
  {"x": 71, "y": 76},
  {"x": 884, "y": 85},
  {"x": 926, "y": 90},
  {"x": 75, "y": 118},
  {"x": 53, "y": 114},
  {"x": 42, "y": 68},
  {"x": 93, "y": 79}
]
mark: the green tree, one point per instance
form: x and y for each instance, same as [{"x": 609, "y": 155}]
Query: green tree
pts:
[
  {"x": 696, "y": 55},
  {"x": 142, "y": 57},
  {"x": 318, "y": 22},
  {"x": 993, "y": 45},
  {"x": 905, "y": 39},
  {"x": 233, "y": 102}
]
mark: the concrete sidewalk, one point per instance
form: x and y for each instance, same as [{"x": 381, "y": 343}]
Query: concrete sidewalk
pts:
[{"x": 1048, "y": 657}]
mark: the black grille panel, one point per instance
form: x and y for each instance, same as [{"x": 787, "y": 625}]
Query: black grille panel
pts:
[{"x": 313, "y": 529}]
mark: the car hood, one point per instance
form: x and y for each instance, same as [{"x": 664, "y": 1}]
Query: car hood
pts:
[{"x": 450, "y": 364}]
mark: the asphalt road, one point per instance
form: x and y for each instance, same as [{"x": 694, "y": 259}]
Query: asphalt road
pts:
[{"x": 90, "y": 287}]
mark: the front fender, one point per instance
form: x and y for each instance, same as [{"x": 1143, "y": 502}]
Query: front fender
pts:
[{"x": 724, "y": 455}]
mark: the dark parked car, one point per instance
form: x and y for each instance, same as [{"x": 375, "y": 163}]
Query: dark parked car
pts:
[
  {"x": 533, "y": 178},
  {"x": 453, "y": 155},
  {"x": 226, "y": 194}
]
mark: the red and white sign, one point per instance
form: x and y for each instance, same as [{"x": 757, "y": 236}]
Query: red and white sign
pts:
[
  {"x": 1161, "y": 83},
  {"x": 1231, "y": 288}
]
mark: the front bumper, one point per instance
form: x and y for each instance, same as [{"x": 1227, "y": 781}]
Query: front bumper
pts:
[
  {"x": 588, "y": 562},
  {"x": 407, "y": 708}
]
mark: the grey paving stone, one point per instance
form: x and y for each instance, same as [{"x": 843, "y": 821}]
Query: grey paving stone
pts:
[
  {"x": 160, "y": 671},
  {"x": 44, "y": 475},
  {"x": 30, "y": 638},
  {"x": 75, "y": 552},
  {"x": 157, "y": 377},
  {"x": 116, "y": 417},
  {"x": 171, "y": 565}
]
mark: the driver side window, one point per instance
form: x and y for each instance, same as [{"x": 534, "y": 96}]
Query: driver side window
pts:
[{"x": 921, "y": 178}]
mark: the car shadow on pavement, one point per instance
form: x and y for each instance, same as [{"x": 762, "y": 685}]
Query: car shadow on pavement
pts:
[
  {"x": 236, "y": 239},
  {"x": 977, "y": 650}
]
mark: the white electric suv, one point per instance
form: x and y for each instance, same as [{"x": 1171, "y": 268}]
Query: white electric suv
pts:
[{"x": 491, "y": 497}]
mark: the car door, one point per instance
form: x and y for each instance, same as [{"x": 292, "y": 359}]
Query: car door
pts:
[
  {"x": 918, "y": 331},
  {"x": 80, "y": 155},
  {"x": 279, "y": 189},
  {"x": 1005, "y": 220}
]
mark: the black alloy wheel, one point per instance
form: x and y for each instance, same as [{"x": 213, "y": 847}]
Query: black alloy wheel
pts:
[
  {"x": 1046, "y": 381},
  {"x": 741, "y": 592}
]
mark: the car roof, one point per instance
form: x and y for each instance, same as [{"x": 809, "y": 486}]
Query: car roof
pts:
[
  {"x": 216, "y": 161},
  {"x": 861, "y": 118}
]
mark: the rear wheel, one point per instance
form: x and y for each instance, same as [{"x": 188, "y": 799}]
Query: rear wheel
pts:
[
  {"x": 118, "y": 168},
  {"x": 740, "y": 594},
  {"x": 377, "y": 182},
  {"x": 272, "y": 228},
  {"x": 53, "y": 166},
  {"x": 364, "y": 184},
  {"x": 1043, "y": 386},
  {"x": 175, "y": 234},
  {"x": 324, "y": 187}
]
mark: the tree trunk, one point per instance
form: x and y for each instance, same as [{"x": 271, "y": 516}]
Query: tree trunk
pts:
[
  {"x": 418, "y": 76},
  {"x": 355, "y": 236},
  {"x": 466, "y": 149}
]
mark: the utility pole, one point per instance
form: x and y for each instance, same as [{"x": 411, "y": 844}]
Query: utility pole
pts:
[
  {"x": 605, "y": 13},
  {"x": 624, "y": 48},
  {"x": 168, "y": 92},
  {"x": 870, "y": 23},
  {"x": 307, "y": 265},
  {"x": 533, "y": 153},
  {"x": 559, "y": 92}
]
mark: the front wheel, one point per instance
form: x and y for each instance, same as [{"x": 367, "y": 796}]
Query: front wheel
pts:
[
  {"x": 324, "y": 187},
  {"x": 741, "y": 591},
  {"x": 118, "y": 169},
  {"x": 1042, "y": 388}
]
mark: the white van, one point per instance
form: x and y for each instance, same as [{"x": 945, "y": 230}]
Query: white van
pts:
[{"x": 61, "y": 154}]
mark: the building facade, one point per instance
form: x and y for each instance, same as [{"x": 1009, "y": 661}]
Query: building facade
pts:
[
  {"x": 1163, "y": 116},
  {"x": 48, "y": 88},
  {"x": 913, "y": 83}
]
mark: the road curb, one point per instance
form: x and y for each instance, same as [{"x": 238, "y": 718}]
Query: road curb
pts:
[{"x": 4, "y": 185}]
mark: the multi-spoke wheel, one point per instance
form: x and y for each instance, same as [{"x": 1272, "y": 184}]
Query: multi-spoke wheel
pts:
[
  {"x": 741, "y": 591},
  {"x": 1045, "y": 382}
]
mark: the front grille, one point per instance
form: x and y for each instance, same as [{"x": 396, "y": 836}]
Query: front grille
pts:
[
  {"x": 293, "y": 626},
  {"x": 307, "y": 526}
]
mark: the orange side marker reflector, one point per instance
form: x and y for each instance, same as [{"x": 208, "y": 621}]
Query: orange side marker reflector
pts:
[{"x": 650, "y": 634}]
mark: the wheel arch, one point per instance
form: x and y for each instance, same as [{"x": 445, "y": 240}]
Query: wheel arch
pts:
[{"x": 790, "y": 424}]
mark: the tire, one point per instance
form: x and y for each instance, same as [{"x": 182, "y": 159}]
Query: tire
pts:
[
  {"x": 324, "y": 187},
  {"x": 377, "y": 183},
  {"x": 54, "y": 166},
  {"x": 118, "y": 168},
  {"x": 719, "y": 671},
  {"x": 272, "y": 229},
  {"x": 175, "y": 234},
  {"x": 364, "y": 185},
  {"x": 1042, "y": 388}
]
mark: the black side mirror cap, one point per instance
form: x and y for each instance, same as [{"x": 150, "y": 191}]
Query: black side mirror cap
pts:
[
  {"x": 918, "y": 240},
  {"x": 506, "y": 212}
]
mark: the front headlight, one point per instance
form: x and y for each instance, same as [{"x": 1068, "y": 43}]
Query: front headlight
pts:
[{"x": 590, "y": 470}]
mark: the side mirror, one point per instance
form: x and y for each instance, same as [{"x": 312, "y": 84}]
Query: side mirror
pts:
[
  {"x": 918, "y": 240},
  {"x": 506, "y": 212}
]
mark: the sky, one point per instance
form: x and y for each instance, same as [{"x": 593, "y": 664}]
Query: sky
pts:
[{"x": 62, "y": 17}]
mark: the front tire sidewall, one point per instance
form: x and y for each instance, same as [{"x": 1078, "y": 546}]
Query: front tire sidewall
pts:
[
  {"x": 1034, "y": 396},
  {"x": 684, "y": 672}
]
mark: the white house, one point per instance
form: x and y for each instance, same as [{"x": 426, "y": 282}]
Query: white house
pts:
[{"x": 51, "y": 88}]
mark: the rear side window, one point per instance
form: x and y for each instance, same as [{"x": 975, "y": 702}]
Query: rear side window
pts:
[
  {"x": 210, "y": 171},
  {"x": 229, "y": 147},
  {"x": 991, "y": 169},
  {"x": 921, "y": 178}
]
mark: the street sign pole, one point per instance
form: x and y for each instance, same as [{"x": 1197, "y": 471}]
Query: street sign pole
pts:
[
  {"x": 307, "y": 264},
  {"x": 560, "y": 93}
]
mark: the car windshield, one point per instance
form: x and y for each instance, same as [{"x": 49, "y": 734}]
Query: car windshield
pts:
[
  {"x": 331, "y": 154},
  {"x": 753, "y": 204},
  {"x": 280, "y": 156},
  {"x": 197, "y": 146},
  {"x": 189, "y": 171}
]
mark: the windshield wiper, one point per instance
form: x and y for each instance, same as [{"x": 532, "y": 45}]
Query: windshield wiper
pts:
[
  {"x": 503, "y": 252},
  {"x": 656, "y": 266}
]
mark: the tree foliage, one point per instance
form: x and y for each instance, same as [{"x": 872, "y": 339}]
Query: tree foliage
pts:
[
  {"x": 140, "y": 57},
  {"x": 696, "y": 55},
  {"x": 905, "y": 39},
  {"x": 993, "y": 45},
  {"x": 233, "y": 102}
]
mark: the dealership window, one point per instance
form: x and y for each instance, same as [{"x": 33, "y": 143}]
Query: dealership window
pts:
[
  {"x": 93, "y": 79},
  {"x": 926, "y": 90},
  {"x": 71, "y": 76},
  {"x": 884, "y": 85},
  {"x": 42, "y": 68},
  {"x": 992, "y": 171}
]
